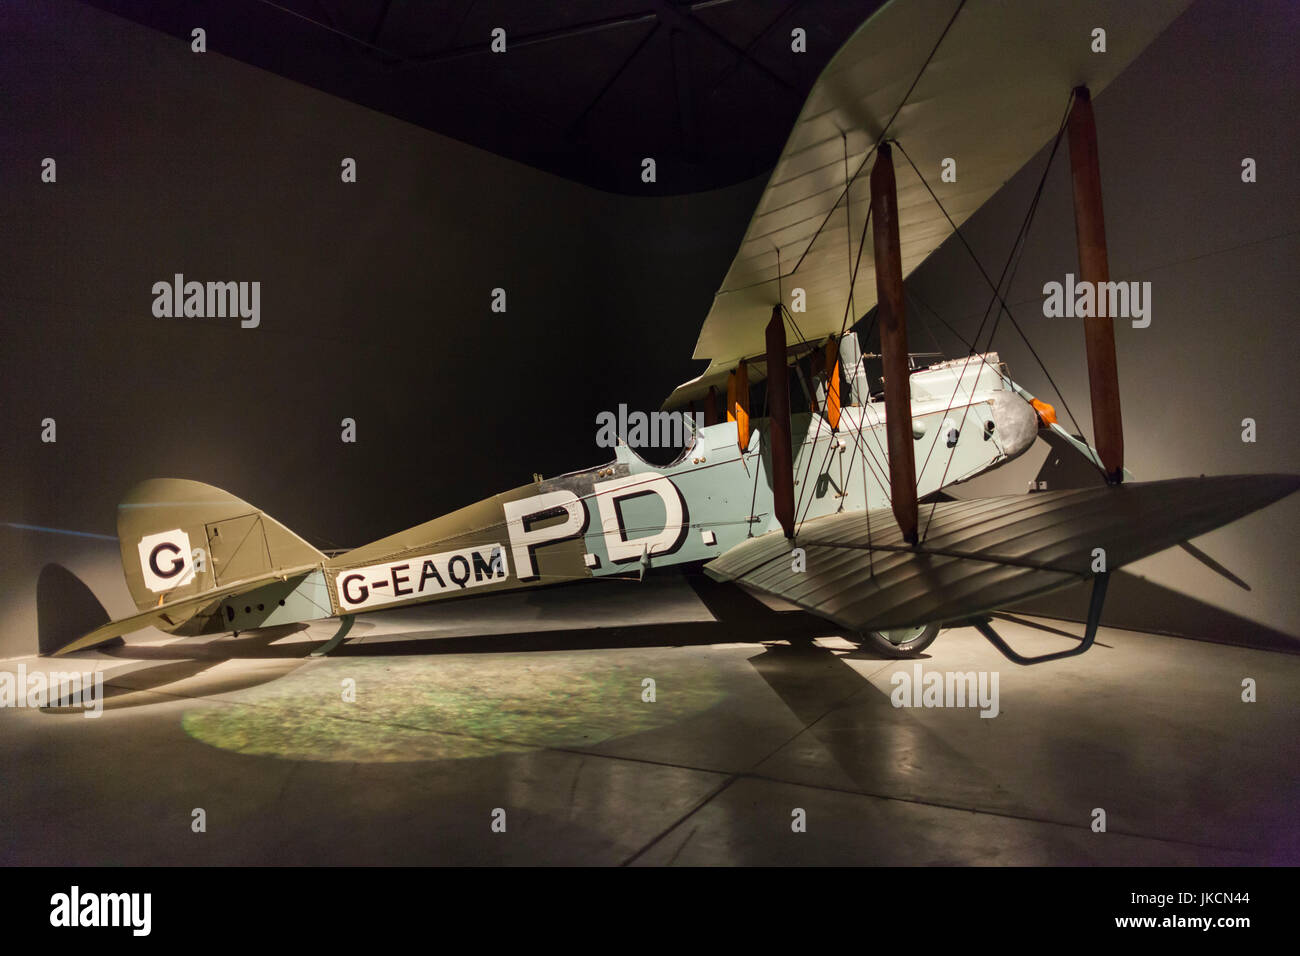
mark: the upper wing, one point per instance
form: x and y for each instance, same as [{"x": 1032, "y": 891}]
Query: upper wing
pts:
[
  {"x": 984, "y": 554},
  {"x": 993, "y": 94}
]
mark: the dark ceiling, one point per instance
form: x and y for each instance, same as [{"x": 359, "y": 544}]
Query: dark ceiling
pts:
[{"x": 586, "y": 88}]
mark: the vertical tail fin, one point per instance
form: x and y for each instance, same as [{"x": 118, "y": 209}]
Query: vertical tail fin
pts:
[{"x": 180, "y": 538}]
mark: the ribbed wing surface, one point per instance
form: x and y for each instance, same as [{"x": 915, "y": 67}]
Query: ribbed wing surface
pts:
[
  {"x": 984, "y": 554},
  {"x": 992, "y": 96}
]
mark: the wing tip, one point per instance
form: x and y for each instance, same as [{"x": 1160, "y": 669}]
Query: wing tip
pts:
[{"x": 99, "y": 637}]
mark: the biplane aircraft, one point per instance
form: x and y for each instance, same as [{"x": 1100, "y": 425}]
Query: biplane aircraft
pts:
[{"x": 822, "y": 505}]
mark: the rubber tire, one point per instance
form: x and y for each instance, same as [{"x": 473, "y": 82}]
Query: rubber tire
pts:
[{"x": 877, "y": 643}]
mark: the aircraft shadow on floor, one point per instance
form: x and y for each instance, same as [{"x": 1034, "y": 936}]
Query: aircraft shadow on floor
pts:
[
  {"x": 1138, "y": 604},
  {"x": 67, "y": 608},
  {"x": 737, "y": 618},
  {"x": 173, "y": 679}
]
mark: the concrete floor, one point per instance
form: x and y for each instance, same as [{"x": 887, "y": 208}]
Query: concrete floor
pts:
[{"x": 533, "y": 704}]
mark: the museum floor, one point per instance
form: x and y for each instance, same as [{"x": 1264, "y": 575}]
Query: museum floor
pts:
[{"x": 533, "y": 704}]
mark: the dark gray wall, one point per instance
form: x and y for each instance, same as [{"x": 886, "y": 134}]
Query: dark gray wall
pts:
[{"x": 375, "y": 296}]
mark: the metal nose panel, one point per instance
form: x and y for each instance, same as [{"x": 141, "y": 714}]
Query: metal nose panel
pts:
[{"x": 1015, "y": 421}]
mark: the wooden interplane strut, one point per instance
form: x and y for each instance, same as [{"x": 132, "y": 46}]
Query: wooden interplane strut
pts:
[
  {"x": 1099, "y": 330},
  {"x": 893, "y": 342},
  {"x": 778, "y": 409}
]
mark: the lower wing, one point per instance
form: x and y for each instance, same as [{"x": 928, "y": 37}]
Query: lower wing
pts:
[{"x": 983, "y": 554}]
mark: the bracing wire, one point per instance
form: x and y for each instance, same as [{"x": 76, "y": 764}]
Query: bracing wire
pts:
[{"x": 998, "y": 299}]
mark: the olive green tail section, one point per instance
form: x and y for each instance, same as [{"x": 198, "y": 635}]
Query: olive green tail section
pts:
[{"x": 181, "y": 539}]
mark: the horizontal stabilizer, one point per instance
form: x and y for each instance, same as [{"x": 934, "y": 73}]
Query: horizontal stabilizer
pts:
[
  {"x": 981, "y": 555},
  {"x": 171, "y": 613}
]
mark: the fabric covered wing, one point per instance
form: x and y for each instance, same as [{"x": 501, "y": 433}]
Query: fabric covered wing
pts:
[
  {"x": 983, "y": 554},
  {"x": 993, "y": 95}
]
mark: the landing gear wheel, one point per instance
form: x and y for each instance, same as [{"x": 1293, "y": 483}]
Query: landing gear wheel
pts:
[{"x": 900, "y": 641}]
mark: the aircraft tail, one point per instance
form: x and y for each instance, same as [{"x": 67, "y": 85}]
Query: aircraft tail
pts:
[{"x": 182, "y": 538}]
